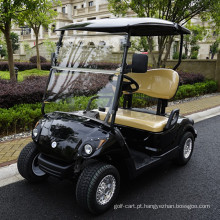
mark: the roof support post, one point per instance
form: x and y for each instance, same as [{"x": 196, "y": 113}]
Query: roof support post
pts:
[
  {"x": 120, "y": 80},
  {"x": 180, "y": 53}
]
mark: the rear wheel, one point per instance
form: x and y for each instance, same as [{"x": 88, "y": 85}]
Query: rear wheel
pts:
[
  {"x": 186, "y": 149},
  {"x": 98, "y": 187},
  {"x": 28, "y": 164}
]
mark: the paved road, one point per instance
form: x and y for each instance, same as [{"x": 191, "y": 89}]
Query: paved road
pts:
[{"x": 198, "y": 183}]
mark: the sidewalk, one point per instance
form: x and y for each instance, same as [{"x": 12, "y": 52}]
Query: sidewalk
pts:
[{"x": 10, "y": 150}]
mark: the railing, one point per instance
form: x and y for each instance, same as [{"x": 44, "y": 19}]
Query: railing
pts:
[
  {"x": 81, "y": 11},
  {"x": 25, "y": 37},
  {"x": 103, "y": 7},
  {"x": 89, "y": 10},
  {"x": 92, "y": 9},
  {"x": 62, "y": 15}
]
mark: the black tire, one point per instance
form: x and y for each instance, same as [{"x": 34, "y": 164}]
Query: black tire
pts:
[
  {"x": 88, "y": 183},
  {"x": 186, "y": 142},
  {"x": 28, "y": 164}
]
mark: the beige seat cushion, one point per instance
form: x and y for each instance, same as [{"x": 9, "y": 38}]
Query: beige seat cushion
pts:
[{"x": 140, "y": 120}]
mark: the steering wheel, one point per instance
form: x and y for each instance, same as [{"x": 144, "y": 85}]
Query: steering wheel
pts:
[{"x": 127, "y": 86}]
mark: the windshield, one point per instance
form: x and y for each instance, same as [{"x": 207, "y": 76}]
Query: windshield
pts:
[{"x": 85, "y": 76}]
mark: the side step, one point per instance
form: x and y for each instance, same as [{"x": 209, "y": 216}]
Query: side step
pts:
[{"x": 141, "y": 159}]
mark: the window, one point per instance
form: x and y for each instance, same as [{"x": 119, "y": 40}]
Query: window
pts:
[
  {"x": 74, "y": 7},
  {"x": 91, "y": 18},
  {"x": 91, "y": 4},
  {"x": 175, "y": 47},
  {"x": 63, "y": 9},
  {"x": 91, "y": 44},
  {"x": 122, "y": 43},
  {"x": 53, "y": 28},
  {"x": 46, "y": 29},
  {"x": 215, "y": 34},
  {"x": 25, "y": 30},
  {"x": 82, "y": 6}
]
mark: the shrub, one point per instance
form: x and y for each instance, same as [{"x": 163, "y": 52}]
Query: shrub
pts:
[
  {"x": 34, "y": 59},
  {"x": 176, "y": 56},
  {"x": 23, "y": 117},
  {"x": 184, "y": 56},
  {"x": 194, "y": 55},
  {"x": 19, "y": 118},
  {"x": 190, "y": 78},
  {"x": 30, "y": 90},
  {"x": 197, "y": 89},
  {"x": 184, "y": 91},
  {"x": 24, "y": 66},
  {"x": 3, "y": 52}
]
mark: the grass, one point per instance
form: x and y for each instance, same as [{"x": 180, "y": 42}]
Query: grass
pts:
[{"x": 23, "y": 74}]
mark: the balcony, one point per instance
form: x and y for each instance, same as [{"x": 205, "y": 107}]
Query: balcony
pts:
[
  {"x": 92, "y": 9},
  {"x": 81, "y": 11},
  {"x": 54, "y": 34},
  {"x": 103, "y": 7},
  {"x": 25, "y": 37},
  {"x": 63, "y": 16}
]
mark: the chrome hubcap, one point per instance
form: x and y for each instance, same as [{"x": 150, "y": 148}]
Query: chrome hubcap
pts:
[
  {"x": 187, "y": 148},
  {"x": 35, "y": 168},
  {"x": 105, "y": 190}
]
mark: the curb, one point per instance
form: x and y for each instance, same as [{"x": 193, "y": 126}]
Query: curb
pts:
[
  {"x": 7, "y": 163},
  {"x": 200, "y": 116},
  {"x": 9, "y": 174}
]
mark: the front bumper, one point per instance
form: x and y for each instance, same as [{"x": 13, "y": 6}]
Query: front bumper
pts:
[{"x": 55, "y": 168}]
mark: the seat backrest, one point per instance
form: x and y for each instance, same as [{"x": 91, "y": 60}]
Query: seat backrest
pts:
[{"x": 157, "y": 83}]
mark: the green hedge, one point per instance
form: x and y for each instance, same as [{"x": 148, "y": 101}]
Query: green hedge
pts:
[
  {"x": 24, "y": 116},
  {"x": 196, "y": 89},
  {"x": 184, "y": 91}
]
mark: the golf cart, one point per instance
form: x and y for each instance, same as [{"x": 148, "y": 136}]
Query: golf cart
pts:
[{"x": 92, "y": 128}]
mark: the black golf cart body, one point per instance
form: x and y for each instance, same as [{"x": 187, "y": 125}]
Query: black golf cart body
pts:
[{"x": 131, "y": 139}]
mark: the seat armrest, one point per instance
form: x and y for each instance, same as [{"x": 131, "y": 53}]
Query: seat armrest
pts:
[{"x": 173, "y": 118}]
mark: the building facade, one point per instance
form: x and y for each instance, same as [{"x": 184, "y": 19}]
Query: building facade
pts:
[
  {"x": 77, "y": 11},
  {"x": 70, "y": 11}
]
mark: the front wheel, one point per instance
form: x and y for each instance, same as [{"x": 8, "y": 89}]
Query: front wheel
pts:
[
  {"x": 28, "y": 164},
  {"x": 98, "y": 187},
  {"x": 186, "y": 149}
]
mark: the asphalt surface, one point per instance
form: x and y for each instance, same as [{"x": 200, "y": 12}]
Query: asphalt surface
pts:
[{"x": 155, "y": 192}]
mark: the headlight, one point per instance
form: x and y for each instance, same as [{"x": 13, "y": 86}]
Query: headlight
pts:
[
  {"x": 88, "y": 149},
  {"x": 35, "y": 132}
]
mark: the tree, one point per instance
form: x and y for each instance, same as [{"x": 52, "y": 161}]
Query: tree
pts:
[
  {"x": 9, "y": 10},
  {"x": 15, "y": 45},
  {"x": 214, "y": 48},
  {"x": 140, "y": 44},
  {"x": 213, "y": 19},
  {"x": 178, "y": 11},
  {"x": 197, "y": 34},
  {"x": 50, "y": 46},
  {"x": 37, "y": 15},
  {"x": 215, "y": 15},
  {"x": 2, "y": 47},
  {"x": 14, "y": 39}
]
